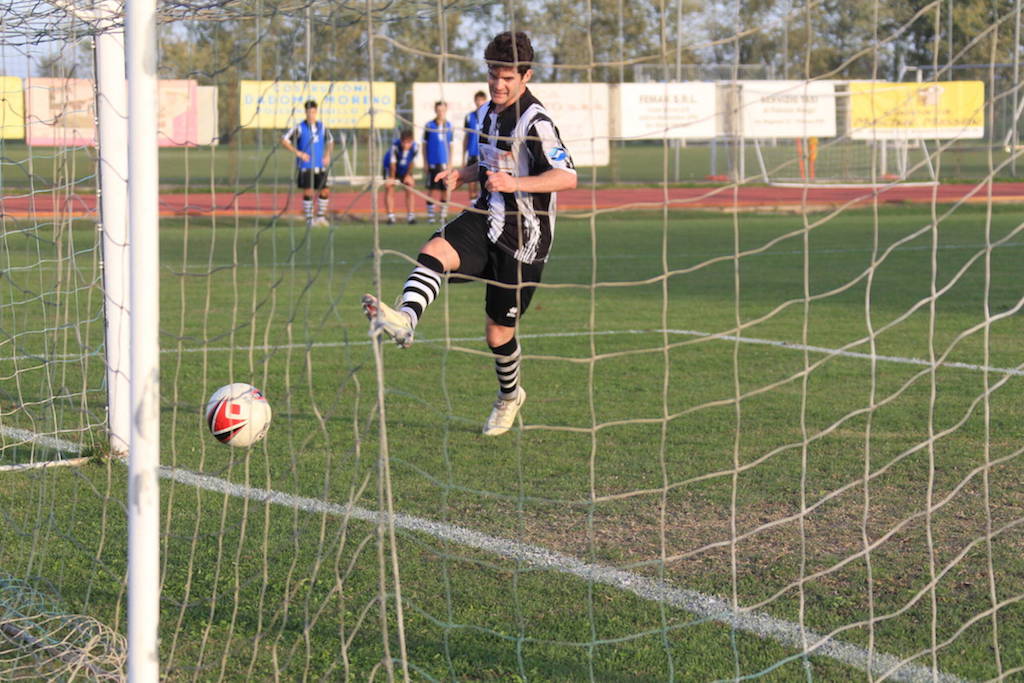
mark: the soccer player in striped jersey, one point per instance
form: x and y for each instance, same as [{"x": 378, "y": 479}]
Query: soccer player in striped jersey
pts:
[
  {"x": 311, "y": 143},
  {"x": 505, "y": 238},
  {"x": 398, "y": 169}
]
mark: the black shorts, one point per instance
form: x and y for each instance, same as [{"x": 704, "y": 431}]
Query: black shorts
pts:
[
  {"x": 432, "y": 172},
  {"x": 309, "y": 178},
  {"x": 479, "y": 257}
]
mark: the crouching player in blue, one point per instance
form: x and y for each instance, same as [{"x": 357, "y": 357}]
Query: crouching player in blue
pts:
[{"x": 398, "y": 170}]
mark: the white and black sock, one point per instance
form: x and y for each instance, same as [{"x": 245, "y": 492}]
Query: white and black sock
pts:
[
  {"x": 506, "y": 366},
  {"x": 307, "y": 208},
  {"x": 422, "y": 287},
  {"x": 321, "y": 207}
]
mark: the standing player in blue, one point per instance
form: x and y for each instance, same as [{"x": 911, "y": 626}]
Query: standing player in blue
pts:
[
  {"x": 398, "y": 169},
  {"x": 437, "y": 154},
  {"x": 505, "y": 238},
  {"x": 471, "y": 140},
  {"x": 312, "y": 144}
]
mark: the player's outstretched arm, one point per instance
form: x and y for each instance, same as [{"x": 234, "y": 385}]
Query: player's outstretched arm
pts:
[
  {"x": 552, "y": 180},
  {"x": 454, "y": 177}
]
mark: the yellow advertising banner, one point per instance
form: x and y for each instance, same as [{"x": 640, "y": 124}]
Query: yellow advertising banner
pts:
[
  {"x": 341, "y": 104},
  {"x": 900, "y": 111},
  {"x": 12, "y": 108}
]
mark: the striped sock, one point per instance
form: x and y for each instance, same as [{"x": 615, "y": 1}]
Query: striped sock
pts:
[
  {"x": 321, "y": 206},
  {"x": 506, "y": 366},
  {"x": 307, "y": 208},
  {"x": 422, "y": 287}
]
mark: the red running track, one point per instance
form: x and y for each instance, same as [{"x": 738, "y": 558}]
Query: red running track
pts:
[{"x": 49, "y": 205}]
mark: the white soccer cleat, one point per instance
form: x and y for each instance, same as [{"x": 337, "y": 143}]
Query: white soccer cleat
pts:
[
  {"x": 503, "y": 415},
  {"x": 321, "y": 222},
  {"x": 383, "y": 318}
]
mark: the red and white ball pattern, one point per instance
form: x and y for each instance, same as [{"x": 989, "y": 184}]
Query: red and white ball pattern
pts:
[{"x": 238, "y": 414}]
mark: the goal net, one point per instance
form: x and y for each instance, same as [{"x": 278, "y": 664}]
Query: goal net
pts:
[{"x": 771, "y": 432}]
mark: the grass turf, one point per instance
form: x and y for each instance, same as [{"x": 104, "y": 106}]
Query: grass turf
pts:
[
  {"x": 635, "y": 451},
  {"x": 267, "y": 167}
]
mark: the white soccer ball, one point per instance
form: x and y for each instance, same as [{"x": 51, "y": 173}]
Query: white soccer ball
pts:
[{"x": 238, "y": 414}]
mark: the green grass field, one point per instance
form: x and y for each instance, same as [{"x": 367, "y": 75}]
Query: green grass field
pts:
[
  {"x": 703, "y": 407},
  {"x": 266, "y": 166}
]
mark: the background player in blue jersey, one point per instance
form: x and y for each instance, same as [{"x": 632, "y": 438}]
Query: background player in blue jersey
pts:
[
  {"x": 437, "y": 155},
  {"x": 398, "y": 169},
  {"x": 471, "y": 140},
  {"x": 312, "y": 144}
]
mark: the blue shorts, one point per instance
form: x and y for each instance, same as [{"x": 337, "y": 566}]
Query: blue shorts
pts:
[{"x": 400, "y": 172}]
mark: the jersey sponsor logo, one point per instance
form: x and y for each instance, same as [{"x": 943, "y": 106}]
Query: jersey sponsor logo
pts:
[{"x": 558, "y": 154}]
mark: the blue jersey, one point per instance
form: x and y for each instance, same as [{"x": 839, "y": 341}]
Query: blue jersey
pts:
[
  {"x": 311, "y": 140},
  {"x": 473, "y": 134},
  {"x": 436, "y": 140},
  {"x": 402, "y": 158}
]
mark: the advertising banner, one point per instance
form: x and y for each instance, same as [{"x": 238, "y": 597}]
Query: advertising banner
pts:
[
  {"x": 12, "y": 108},
  {"x": 660, "y": 111},
  {"x": 579, "y": 110},
  {"x": 177, "y": 113},
  {"x": 340, "y": 104},
  {"x": 899, "y": 111},
  {"x": 788, "y": 109},
  {"x": 207, "y": 117},
  {"x": 60, "y": 112}
]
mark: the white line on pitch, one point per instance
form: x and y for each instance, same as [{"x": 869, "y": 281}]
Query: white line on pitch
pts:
[
  {"x": 600, "y": 333},
  {"x": 699, "y": 604}
]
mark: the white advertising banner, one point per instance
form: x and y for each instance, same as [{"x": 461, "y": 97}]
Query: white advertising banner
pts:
[
  {"x": 579, "y": 110},
  {"x": 660, "y": 111},
  {"x": 208, "y": 129},
  {"x": 788, "y": 109}
]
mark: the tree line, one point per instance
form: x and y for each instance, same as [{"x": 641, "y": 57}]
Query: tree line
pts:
[{"x": 578, "y": 40}]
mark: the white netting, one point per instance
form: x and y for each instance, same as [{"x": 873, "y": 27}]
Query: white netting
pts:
[{"x": 771, "y": 433}]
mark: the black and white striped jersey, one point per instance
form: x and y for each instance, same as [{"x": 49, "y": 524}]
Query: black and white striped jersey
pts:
[{"x": 522, "y": 140}]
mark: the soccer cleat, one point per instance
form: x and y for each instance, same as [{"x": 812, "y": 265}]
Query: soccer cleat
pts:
[
  {"x": 383, "y": 318},
  {"x": 320, "y": 222},
  {"x": 391, "y": 220},
  {"x": 503, "y": 415},
  {"x": 411, "y": 220}
]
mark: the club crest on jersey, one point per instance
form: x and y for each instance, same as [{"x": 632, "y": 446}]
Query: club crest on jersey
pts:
[{"x": 558, "y": 154}]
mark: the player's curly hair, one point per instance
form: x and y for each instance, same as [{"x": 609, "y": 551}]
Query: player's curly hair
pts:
[{"x": 506, "y": 50}]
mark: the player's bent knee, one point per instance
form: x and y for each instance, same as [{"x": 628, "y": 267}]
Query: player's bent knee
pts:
[
  {"x": 440, "y": 249},
  {"x": 498, "y": 335}
]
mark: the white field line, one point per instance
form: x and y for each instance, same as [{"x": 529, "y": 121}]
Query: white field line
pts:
[
  {"x": 60, "y": 445},
  {"x": 600, "y": 333},
  {"x": 705, "y": 607}
]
